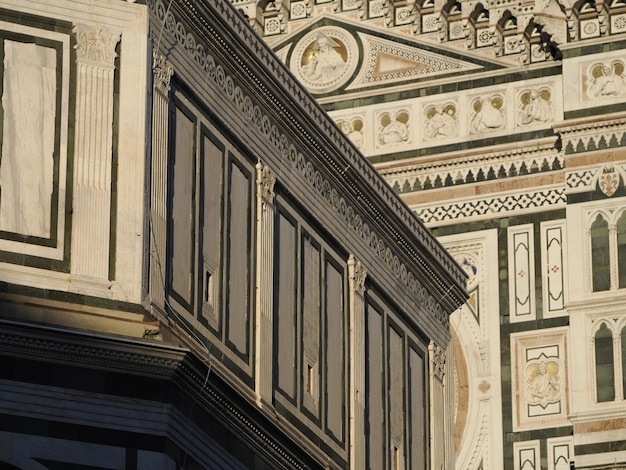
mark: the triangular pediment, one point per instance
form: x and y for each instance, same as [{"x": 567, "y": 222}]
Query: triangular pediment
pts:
[
  {"x": 368, "y": 59},
  {"x": 387, "y": 62}
]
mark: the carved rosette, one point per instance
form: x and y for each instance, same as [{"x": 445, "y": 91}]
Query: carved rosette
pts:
[
  {"x": 437, "y": 360},
  {"x": 162, "y": 72},
  {"x": 358, "y": 274},
  {"x": 96, "y": 44},
  {"x": 265, "y": 183}
]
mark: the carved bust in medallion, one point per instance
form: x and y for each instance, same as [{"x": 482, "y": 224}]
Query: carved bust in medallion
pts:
[{"x": 324, "y": 59}]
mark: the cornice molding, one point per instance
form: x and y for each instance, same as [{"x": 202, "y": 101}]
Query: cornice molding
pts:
[
  {"x": 497, "y": 165},
  {"x": 59, "y": 344},
  {"x": 180, "y": 365},
  {"x": 589, "y": 134}
]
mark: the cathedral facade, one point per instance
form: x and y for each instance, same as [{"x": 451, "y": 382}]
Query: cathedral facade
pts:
[
  {"x": 198, "y": 269},
  {"x": 502, "y": 125}
]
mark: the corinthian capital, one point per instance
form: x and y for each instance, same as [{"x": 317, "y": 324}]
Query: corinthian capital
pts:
[
  {"x": 357, "y": 274},
  {"x": 265, "y": 182},
  {"x": 162, "y": 72},
  {"x": 96, "y": 44}
]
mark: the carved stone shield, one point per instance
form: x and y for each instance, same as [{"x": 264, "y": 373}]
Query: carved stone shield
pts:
[{"x": 608, "y": 182}]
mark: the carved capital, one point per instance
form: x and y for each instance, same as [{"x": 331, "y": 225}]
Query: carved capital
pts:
[
  {"x": 357, "y": 274},
  {"x": 265, "y": 182},
  {"x": 96, "y": 44},
  {"x": 162, "y": 72},
  {"x": 437, "y": 360}
]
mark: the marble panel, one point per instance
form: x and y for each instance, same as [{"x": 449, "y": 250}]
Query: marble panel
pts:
[
  {"x": 539, "y": 362},
  {"x": 29, "y": 104}
]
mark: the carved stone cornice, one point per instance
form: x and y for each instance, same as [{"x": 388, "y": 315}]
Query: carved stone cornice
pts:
[
  {"x": 96, "y": 44},
  {"x": 98, "y": 350},
  {"x": 597, "y": 133},
  {"x": 197, "y": 379},
  {"x": 162, "y": 72},
  {"x": 484, "y": 166}
]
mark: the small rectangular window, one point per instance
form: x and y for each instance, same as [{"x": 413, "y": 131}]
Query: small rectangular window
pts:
[
  {"x": 208, "y": 289},
  {"x": 309, "y": 379}
]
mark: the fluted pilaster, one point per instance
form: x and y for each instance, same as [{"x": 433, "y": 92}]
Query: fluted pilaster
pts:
[
  {"x": 91, "y": 221},
  {"x": 357, "y": 275},
  {"x": 265, "y": 286},
  {"x": 162, "y": 72},
  {"x": 437, "y": 359}
]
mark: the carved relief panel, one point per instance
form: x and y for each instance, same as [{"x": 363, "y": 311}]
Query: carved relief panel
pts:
[
  {"x": 604, "y": 80},
  {"x": 393, "y": 128},
  {"x": 440, "y": 120},
  {"x": 534, "y": 106},
  {"x": 487, "y": 113},
  {"x": 540, "y": 379},
  {"x": 353, "y": 128},
  {"x": 324, "y": 59}
]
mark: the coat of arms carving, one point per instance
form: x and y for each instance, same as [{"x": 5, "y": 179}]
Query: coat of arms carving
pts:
[{"x": 608, "y": 181}]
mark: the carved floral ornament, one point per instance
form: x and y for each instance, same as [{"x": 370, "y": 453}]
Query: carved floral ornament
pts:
[
  {"x": 96, "y": 44},
  {"x": 303, "y": 166}
]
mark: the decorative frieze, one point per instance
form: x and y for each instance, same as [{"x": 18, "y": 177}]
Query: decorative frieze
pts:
[
  {"x": 501, "y": 165},
  {"x": 598, "y": 134},
  {"x": 488, "y": 206}
]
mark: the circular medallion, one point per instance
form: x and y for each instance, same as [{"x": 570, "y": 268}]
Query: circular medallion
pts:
[{"x": 324, "y": 59}]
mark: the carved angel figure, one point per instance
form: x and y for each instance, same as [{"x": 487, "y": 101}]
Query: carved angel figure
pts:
[
  {"x": 536, "y": 107},
  {"x": 394, "y": 130},
  {"x": 543, "y": 382},
  {"x": 607, "y": 80},
  {"x": 440, "y": 122},
  {"x": 488, "y": 115}
]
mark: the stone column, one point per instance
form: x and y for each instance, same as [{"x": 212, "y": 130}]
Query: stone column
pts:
[
  {"x": 91, "y": 204},
  {"x": 448, "y": 411},
  {"x": 617, "y": 352},
  {"x": 437, "y": 359},
  {"x": 264, "y": 283},
  {"x": 357, "y": 275},
  {"x": 162, "y": 72},
  {"x": 613, "y": 264}
]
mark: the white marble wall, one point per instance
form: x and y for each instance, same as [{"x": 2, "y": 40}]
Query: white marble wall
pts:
[{"x": 38, "y": 102}]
